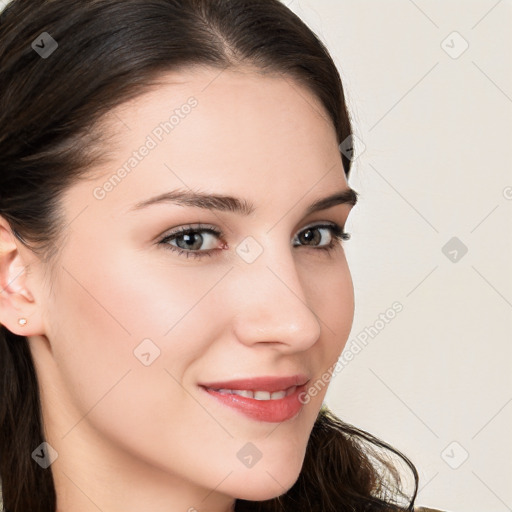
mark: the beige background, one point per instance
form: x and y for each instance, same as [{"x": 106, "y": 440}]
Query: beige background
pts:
[
  {"x": 435, "y": 381},
  {"x": 437, "y": 165}
]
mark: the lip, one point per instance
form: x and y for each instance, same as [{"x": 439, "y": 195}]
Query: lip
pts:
[
  {"x": 270, "y": 384},
  {"x": 271, "y": 411}
]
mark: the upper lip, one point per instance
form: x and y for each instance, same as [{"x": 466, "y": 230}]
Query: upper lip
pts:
[{"x": 270, "y": 384}]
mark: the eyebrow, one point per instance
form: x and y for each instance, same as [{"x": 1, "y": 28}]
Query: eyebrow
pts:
[{"x": 236, "y": 205}]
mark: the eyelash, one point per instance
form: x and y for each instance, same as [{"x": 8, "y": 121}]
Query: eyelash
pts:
[{"x": 337, "y": 236}]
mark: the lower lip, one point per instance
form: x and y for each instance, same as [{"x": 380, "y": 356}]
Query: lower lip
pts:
[{"x": 272, "y": 411}]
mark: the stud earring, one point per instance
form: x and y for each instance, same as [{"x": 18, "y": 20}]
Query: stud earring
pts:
[{"x": 22, "y": 321}]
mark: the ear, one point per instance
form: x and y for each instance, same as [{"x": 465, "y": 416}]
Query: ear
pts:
[{"x": 16, "y": 298}]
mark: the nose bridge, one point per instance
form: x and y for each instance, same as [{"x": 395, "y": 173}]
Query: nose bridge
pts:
[{"x": 272, "y": 303}]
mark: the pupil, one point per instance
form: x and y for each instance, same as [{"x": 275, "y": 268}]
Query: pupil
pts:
[
  {"x": 191, "y": 239},
  {"x": 308, "y": 235}
]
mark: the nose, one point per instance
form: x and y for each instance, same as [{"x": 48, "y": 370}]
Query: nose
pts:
[{"x": 271, "y": 303}]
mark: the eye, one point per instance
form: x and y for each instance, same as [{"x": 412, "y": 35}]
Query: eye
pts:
[
  {"x": 310, "y": 236},
  {"x": 189, "y": 241}
]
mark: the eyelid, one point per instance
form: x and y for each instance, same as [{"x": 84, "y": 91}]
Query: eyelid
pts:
[
  {"x": 209, "y": 228},
  {"x": 337, "y": 230},
  {"x": 217, "y": 231}
]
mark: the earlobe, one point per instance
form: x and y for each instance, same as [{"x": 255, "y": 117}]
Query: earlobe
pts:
[{"x": 18, "y": 309}]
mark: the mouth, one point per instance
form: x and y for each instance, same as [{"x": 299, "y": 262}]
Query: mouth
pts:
[{"x": 268, "y": 399}]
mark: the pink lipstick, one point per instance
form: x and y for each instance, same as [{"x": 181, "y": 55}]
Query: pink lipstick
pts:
[{"x": 270, "y": 399}]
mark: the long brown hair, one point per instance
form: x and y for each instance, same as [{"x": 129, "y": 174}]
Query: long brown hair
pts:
[{"x": 111, "y": 51}]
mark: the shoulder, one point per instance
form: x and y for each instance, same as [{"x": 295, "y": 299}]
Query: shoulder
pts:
[{"x": 427, "y": 509}]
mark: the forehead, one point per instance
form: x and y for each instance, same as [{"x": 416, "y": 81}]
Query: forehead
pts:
[
  {"x": 225, "y": 130},
  {"x": 229, "y": 105}
]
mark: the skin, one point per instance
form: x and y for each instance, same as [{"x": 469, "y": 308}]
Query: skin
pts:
[{"x": 132, "y": 437}]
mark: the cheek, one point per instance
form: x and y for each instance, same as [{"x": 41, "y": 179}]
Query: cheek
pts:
[
  {"x": 124, "y": 319},
  {"x": 331, "y": 296},
  {"x": 127, "y": 298},
  {"x": 105, "y": 312}
]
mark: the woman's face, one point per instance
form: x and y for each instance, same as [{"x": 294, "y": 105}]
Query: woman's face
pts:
[{"x": 135, "y": 328}]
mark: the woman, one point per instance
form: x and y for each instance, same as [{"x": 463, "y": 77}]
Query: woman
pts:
[{"x": 174, "y": 288}]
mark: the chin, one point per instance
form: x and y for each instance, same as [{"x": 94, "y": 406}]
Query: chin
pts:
[{"x": 263, "y": 485}]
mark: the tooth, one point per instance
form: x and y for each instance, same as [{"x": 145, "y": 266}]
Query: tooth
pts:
[
  {"x": 262, "y": 395},
  {"x": 258, "y": 395},
  {"x": 291, "y": 390},
  {"x": 243, "y": 392}
]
